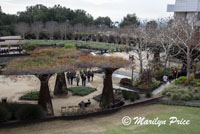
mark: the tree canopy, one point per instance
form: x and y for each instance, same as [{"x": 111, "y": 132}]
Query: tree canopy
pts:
[{"x": 130, "y": 19}]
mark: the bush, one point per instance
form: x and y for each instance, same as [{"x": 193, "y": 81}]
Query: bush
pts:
[
  {"x": 185, "y": 93},
  {"x": 132, "y": 99},
  {"x": 126, "y": 82},
  {"x": 29, "y": 47},
  {"x": 181, "y": 80},
  {"x": 148, "y": 94},
  {"x": 33, "y": 95},
  {"x": 5, "y": 115},
  {"x": 69, "y": 45},
  {"x": 81, "y": 91},
  {"x": 125, "y": 95},
  {"x": 30, "y": 112},
  {"x": 128, "y": 95}
]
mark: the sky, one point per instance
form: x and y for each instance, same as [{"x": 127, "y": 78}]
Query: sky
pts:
[{"x": 115, "y": 9}]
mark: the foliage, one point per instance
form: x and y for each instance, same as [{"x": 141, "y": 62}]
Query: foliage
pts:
[
  {"x": 180, "y": 92},
  {"x": 126, "y": 81},
  {"x": 132, "y": 96},
  {"x": 69, "y": 45},
  {"x": 130, "y": 19},
  {"x": 30, "y": 112},
  {"x": 148, "y": 94},
  {"x": 29, "y": 47},
  {"x": 183, "y": 81},
  {"x": 158, "y": 74},
  {"x": 4, "y": 114},
  {"x": 79, "y": 44},
  {"x": 81, "y": 91},
  {"x": 144, "y": 85},
  {"x": 33, "y": 95},
  {"x": 102, "y": 62},
  {"x": 46, "y": 60},
  {"x": 14, "y": 111}
]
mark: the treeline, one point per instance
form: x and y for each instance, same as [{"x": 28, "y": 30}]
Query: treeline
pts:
[{"x": 57, "y": 15}]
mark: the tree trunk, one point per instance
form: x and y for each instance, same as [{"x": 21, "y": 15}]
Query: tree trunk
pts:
[
  {"x": 44, "y": 97},
  {"x": 141, "y": 62},
  {"x": 166, "y": 59},
  {"x": 188, "y": 64},
  {"x": 60, "y": 84},
  {"x": 107, "y": 98}
]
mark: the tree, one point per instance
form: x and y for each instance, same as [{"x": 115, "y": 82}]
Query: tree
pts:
[
  {"x": 185, "y": 35},
  {"x": 51, "y": 28},
  {"x": 141, "y": 39},
  {"x": 130, "y": 19},
  {"x": 37, "y": 28},
  {"x": 103, "y": 21},
  {"x": 43, "y": 63},
  {"x": 22, "y": 28},
  {"x": 64, "y": 29},
  {"x": 109, "y": 65}
]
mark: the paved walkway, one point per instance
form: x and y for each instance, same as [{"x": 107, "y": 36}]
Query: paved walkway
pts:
[{"x": 161, "y": 88}]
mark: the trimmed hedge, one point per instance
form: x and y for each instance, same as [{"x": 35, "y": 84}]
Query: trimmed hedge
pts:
[
  {"x": 33, "y": 95},
  {"x": 81, "y": 91},
  {"x": 20, "y": 112},
  {"x": 132, "y": 96}
]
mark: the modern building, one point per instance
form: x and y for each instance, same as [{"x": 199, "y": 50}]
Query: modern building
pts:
[{"x": 187, "y": 9}]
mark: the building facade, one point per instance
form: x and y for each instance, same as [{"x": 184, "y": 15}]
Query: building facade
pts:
[{"x": 187, "y": 9}]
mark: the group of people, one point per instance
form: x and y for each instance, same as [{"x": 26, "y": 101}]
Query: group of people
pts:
[
  {"x": 84, "y": 75},
  {"x": 175, "y": 74}
]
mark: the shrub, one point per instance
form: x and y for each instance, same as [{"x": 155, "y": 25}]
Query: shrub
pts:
[
  {"x": 130, "y": 95},
  {"x": 69, "y": 45},
  {"x": 81, "y": 91},
  {"x": 132, "y": 98},
  {"x": 29, "y": 47},
  {"x": 126, "y": 82},
  {"x": 181, "y": 80},
  {"x": 125, "y": 95},
  {"x": 30, "y": 112},
  {"x": 148, "y": 94},
  {"x": 5, "y": 115},
  {"x": 33, "y": 95}
]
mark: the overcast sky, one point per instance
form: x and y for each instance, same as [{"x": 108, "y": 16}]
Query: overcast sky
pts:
[{"x": 115, "y": 9}]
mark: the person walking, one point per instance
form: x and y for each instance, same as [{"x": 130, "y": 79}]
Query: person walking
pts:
[
  {"x": 77, "y": 79},
  {"x": 92, "y": 74},
  {"x": 88, "y": 75},
  {"x": 83, "y": 77},
  {"x": 68, "y": 78},
  {"x": 165, "y": 79}
]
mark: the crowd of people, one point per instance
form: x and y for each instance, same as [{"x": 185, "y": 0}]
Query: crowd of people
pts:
[
  {"x": 83, "y": 75},
  {"x": 175, "y": 74}
]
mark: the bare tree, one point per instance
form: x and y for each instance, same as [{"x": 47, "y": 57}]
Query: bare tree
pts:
[
  {"x": 37, "y": 28},
  {"x": 51, "y": 28},
  {"x": 22, "y": 28},
  {"x": 185, "y": 36},
  {"x": 163, "y": 37},
  {"x": 64, "y": 29},
  {"x": 141, "y": 39}
]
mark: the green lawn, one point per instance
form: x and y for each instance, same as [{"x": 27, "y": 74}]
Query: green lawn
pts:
[
  {"x": 94, "y": 45},
  {"x": 111, "y": 124}
]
